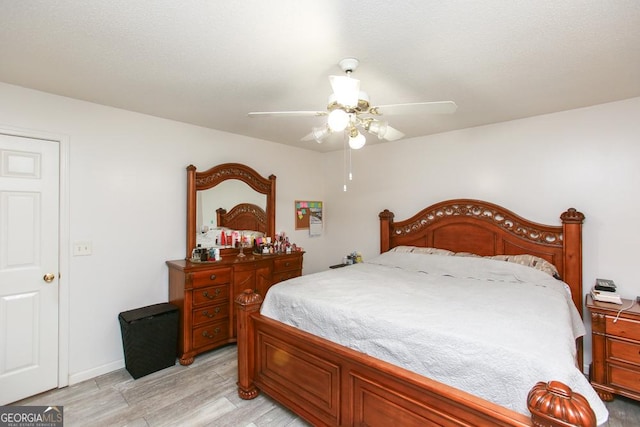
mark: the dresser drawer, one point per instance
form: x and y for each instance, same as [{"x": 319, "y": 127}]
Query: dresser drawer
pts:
[
  {"x": 286, "y": 275},
  {"x": 211, "y": 313},
  {"x": 201, "y": 279},
  {"x": 210, "y": 295},
  {"x": 286, "y": 264},
  {"x": 211, "y": 334},
  {"x": 624, "y": 351},
  {"x": 624, "y": 378},
  {"x": 623, "y": 328}
]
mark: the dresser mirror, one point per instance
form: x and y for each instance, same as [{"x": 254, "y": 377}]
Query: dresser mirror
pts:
[
  {"x": 225, "y": 195},
  {"x": 223, "y": 188}
]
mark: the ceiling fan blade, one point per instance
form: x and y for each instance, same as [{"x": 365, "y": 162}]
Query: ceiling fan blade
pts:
[
  {"x": 345, "y": 89},
  {"x": 437, "y": 107},
  {"x": 287, "y": 113},
  {"x": 392, "y": 134}
]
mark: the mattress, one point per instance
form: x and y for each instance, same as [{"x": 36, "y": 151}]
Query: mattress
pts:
[{"x": 490, "y": 328}]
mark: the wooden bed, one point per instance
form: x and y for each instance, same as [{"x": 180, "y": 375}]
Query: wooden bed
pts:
[
  {"x": 329, "y": 384},
  {"x": 243, "y": 216}
]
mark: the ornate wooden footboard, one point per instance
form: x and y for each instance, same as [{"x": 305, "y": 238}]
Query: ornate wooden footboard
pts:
[{"x": 329, "y": 384}]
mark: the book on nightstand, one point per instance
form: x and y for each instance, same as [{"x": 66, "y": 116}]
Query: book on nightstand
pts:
[{"x": 605, "y": 296}]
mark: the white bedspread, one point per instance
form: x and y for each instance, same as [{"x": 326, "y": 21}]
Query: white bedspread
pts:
[{"x": 491, "y": 328}]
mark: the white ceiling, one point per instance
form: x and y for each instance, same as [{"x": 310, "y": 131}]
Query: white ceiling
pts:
[{"x": 210, "y": 62}]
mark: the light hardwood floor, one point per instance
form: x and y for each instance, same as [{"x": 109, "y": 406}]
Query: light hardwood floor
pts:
[{"x": 201, "y": 394}]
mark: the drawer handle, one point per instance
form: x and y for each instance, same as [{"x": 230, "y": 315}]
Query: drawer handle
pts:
[
  {"x": 206, "y": 334},
  {"x": 209, "y": 315},
  {"x": 287, "y": 264},
  {"x": 206, "y": 294},
  {"x": 212, "y": 277}
]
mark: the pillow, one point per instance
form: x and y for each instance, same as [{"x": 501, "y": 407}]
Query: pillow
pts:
[
  {"x": 530, "y": 261},
  {"x": 467, "y": 254},
  {"x": 524, "y": 259},
  {"x": 418, "y": 250}
]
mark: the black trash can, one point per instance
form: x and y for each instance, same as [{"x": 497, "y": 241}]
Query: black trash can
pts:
[{"x": 149, "y": 338}]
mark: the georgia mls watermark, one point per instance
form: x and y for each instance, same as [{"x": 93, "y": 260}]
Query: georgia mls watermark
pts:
[{"x": 31, "y": 416}]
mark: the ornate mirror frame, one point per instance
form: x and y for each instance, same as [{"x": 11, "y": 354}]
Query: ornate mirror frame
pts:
[{"x": 198, "y": 181}]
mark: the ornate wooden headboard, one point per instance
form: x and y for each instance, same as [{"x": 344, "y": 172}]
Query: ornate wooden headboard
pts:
[
  {"x": 483, "y": 228},
  {"x": 243, "y": 216}
]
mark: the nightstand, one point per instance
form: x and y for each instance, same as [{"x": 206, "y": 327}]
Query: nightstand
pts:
[{"x": 615, "y": 368}]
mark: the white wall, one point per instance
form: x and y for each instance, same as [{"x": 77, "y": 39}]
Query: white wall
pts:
[
  {"x": 538, "y": 167},
  {"x": 128, "y": 197},
  {"x": 127, "y": 194}
]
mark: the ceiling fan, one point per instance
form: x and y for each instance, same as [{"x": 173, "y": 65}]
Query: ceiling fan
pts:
[{"x": 349, "y": 111}]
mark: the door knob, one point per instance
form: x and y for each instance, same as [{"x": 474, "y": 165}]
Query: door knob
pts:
[{"x": 49, "y": 277}]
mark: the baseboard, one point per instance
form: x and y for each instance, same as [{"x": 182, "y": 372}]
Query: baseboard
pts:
[{"x": 95, "y": 372}]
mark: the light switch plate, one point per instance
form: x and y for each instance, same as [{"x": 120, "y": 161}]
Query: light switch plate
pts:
[{"x": 82, "y": 248}]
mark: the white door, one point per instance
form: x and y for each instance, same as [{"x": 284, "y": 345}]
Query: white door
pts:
[{"x": 29, "y": 210}]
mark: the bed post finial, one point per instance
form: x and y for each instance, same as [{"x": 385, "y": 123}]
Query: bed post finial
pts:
[
  {"x": 386, "y": 221},
  {"x": 555, "y": 404},
  {"x": 572, "y": 216},
  {"x": 247, "y": 302}
]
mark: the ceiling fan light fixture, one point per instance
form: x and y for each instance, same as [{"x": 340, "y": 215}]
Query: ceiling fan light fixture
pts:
[
  {"x": 346, "y": 90},
  {"x": 378, "y": 128},
  {"x": 363, "y": 100},
  {"x": 319, "y": 134},
  {"x": 393, "y": 134},
  {"x": 356, "y": 139},
  {"x": 338, "y": 120}
]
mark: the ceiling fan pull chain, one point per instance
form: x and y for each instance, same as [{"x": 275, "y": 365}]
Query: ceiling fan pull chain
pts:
[
  {"x": 344, "y": 162},
  {"x": 350, "y": 166}
]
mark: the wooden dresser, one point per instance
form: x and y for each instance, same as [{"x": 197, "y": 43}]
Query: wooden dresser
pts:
[
  {"x": 615, "y": 368},
  {"x": 204, "y": 293}
]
